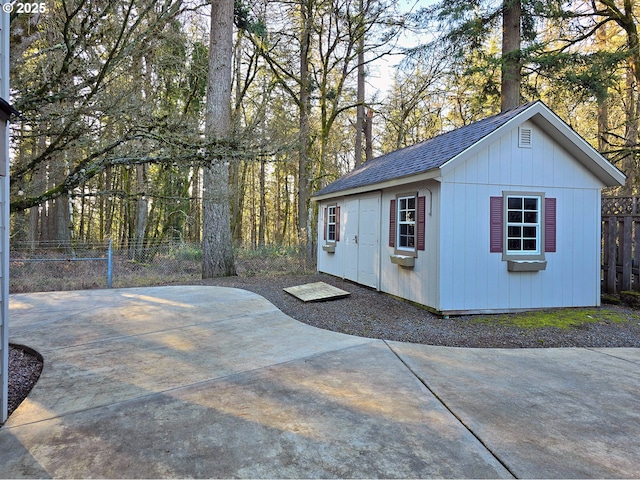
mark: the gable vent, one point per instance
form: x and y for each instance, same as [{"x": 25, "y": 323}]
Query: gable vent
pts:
[{"x": 524, "y": 137}]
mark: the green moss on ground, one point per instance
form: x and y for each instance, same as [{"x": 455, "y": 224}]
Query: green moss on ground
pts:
[
  {"x": 564, "y": 318},
  {"x": 630, "y": 298}
]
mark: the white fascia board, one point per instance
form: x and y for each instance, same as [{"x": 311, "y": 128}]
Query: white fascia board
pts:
[
  {"x": 579, "y": 148},
  {"x": 396, "y": 182}
]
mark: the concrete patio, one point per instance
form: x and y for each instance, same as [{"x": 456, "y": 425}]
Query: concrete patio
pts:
[{"x": 216, "y": 382}]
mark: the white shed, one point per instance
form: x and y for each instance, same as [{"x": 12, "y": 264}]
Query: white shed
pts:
[{"x": 500, "y": 215}]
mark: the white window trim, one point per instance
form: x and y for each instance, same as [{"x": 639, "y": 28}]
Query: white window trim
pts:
[
  {"x": 329, "y": 223},
  {"x": 538, "y": 254},
  {"x": 412, "y": 251}
]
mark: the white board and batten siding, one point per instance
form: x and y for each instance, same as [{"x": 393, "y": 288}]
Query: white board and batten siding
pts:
[
  {"x": 362, "y": 254},
  {"x": 472, "y": 278},
  {"x": 357, "y": 250},
  {"x": 420, "y": 283},
  {"x": 464, "y": 177}
]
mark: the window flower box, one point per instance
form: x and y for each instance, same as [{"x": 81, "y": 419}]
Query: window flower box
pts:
[{"x": 403, "y": 260}]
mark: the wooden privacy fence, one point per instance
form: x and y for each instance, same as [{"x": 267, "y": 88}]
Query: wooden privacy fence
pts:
[
  {"x": 620, "y": 244},
  {"x": 620, "y": 253}
]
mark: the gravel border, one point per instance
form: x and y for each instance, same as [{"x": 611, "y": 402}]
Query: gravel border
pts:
[
  {"x": 25, "y": 366},
  {"x": 368, "y": 313}
]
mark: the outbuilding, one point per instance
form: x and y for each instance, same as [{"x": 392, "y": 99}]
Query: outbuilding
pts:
[{"x": 497, "y": 216}]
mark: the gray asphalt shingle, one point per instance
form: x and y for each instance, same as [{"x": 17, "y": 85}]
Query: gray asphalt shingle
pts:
[{"x": 421, "y": 157}]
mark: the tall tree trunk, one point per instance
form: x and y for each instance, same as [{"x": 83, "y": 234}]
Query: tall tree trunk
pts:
[
  {"x": 61, "y": 219},
  {"x": 236, "y": 182},
  {"x": 626, "y": 19},
  {"x": 630, "y": 133},
  {"x": 360, "y": 93},
  {"x": 252, "y": 209},
  {"x": 36, "y": 213},
  {"x": 217, "y": 245},
  {"x": 82, "y": 233},
  {"x": 58, "y": 220},
  {"x": 368, "y": 135},
  {"x": 20, "y": 228},
  {"x": 277, "y": 227},
  {"x": 511, "y": 62},
  {"x": 108, "y": 202},
  {"x": 287, "y": 211},
  {"x": 263, "y": 204},
  {"x": 304, "y": 128},
  {"x": 238, "y": 176},
  {"x": 633, "y": 95},
  {"x": 195, "y": 208},
  {"x": 603, "y": 110},
  {"x": 305, "y": 212},
  {"x": 142, "y": 210},
  {"x": 129, "y": 205}
]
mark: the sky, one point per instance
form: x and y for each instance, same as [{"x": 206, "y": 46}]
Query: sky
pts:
[{"x": 380, "y": 75}]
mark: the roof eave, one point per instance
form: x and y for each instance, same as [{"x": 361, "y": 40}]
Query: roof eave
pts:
[
  {"x": 6, "y": 110},
  {"x": 395, "y": 182}
]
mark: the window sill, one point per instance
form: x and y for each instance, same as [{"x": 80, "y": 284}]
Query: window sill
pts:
[
  {"x": 526, "y": 265},
  {"x": 403, "y": 260},
  {"x": 329, "y": 248}
]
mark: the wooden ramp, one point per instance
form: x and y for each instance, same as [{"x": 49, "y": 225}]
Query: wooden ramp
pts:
[{"x": 316, "y": 292}]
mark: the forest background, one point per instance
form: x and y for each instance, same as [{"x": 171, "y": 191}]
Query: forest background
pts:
[{"x": 112, "y": 139}]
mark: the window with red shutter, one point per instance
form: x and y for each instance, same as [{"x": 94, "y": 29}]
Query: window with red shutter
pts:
[
  {"x": 407, "y": 224},
  {"x": 495, "y": 225},
  {"x": 324, "y": 230},
  {"x": 420, "y": 223},
  {"x": 522, "y": 226},
  {"x": 392, "y": 223},
  {"x": 549, "y": 224}
]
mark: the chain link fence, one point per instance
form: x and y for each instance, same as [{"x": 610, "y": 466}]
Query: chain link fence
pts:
[{"x": 50, "y": 266}]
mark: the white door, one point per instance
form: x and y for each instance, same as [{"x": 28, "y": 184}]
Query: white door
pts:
[
  {"x": 369, "y": 241},
  {"x": 362, "y": 243},
  {"x": 350, "y": 221}
]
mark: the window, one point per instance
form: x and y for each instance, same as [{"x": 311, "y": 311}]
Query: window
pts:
[
  {"x": 523, "y": 225},
  {"x": 332, "y": 223},
  {"x": 407, "y": 224}
]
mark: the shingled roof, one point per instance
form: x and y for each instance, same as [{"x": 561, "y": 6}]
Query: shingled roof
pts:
[{"x": 421, "y": 157}]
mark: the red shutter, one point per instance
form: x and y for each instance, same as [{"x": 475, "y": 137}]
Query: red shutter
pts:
[
  {"x": 496, "y": 221},
  {"x": 392, "y": 223},
  {"x": 337, "y": 224},
  {"x": 549, "y": 224},
  {"x": 421, "y": 222},
  {"x": 326, "y": 213}
]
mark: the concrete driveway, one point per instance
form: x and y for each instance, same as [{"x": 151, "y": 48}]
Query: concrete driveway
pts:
[{"x": 216, "y": 382}]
